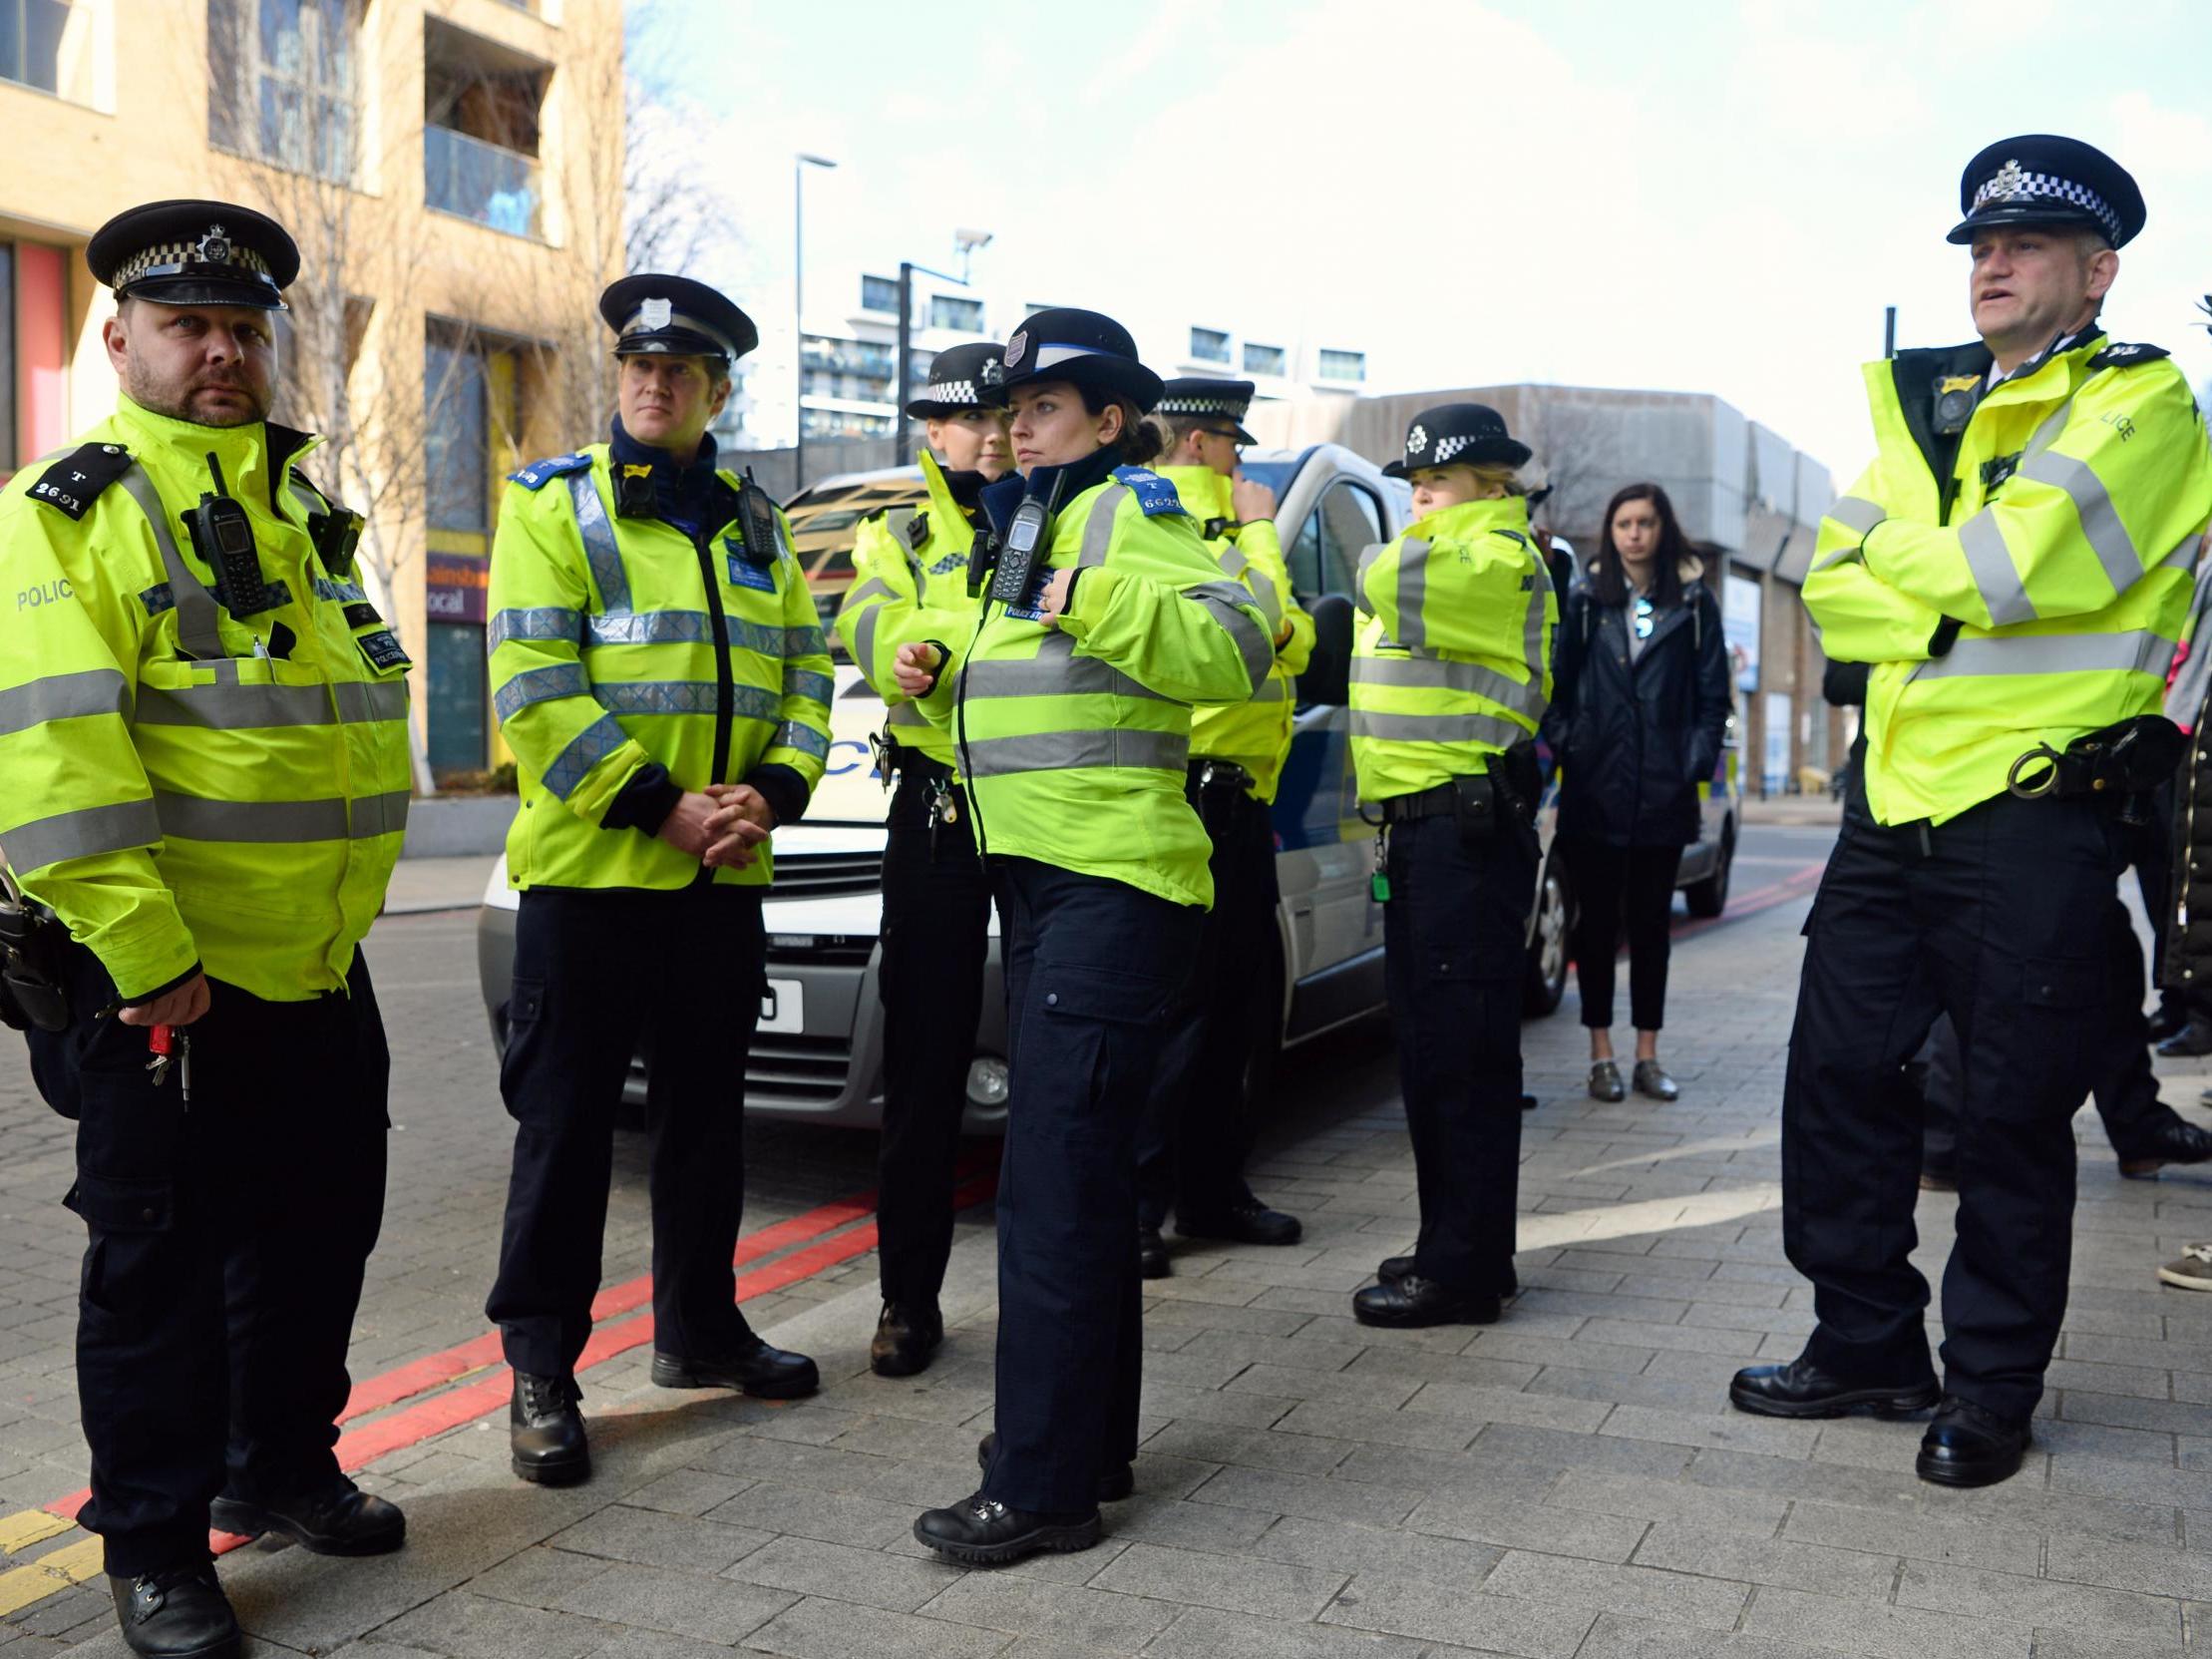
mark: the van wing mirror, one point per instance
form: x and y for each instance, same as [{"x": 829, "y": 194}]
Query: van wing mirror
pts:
[{"x": 1328, "y": 676}]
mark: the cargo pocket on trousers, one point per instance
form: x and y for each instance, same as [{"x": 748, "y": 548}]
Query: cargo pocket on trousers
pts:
[
  {"x": 128, "y": 1217},
  {"x": 519, "y": 1017},
  {"x": 1101, "y": 1035},
  {"x": 2060, "y": 1020}
]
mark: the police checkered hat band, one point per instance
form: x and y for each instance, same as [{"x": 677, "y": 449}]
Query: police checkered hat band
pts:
[
  {"x": 2012, "y": 182},
  {"x": 216, "y": 249},
  {"x": 953, "y": 391},
  {"x": 1234, "y": 408}
]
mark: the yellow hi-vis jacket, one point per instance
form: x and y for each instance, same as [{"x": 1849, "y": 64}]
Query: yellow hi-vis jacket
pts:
[
  {"x": 909, "y": 584},
  {"x": 181, "y": 794},
  {"x": 1452, "y": 661},
  {"x": 2059, "y": 543},
  {"x": 618, "y": 643},
  {"x": 1074, "y": 740},
  {"x": 1255, "y": 733}
]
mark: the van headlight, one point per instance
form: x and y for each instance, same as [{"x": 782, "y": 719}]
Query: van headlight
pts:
[{"x": 986, "y": 1081}]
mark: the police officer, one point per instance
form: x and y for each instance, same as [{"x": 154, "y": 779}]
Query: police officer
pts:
[
  {"x": 1450, "y": 675},
  {"x": 1192, "y": 1150},
  {"x": 658, "y": 670},
  {"x": 203, "y": 771},
  {"x": 1104, "y": 619},
  {"x": 2015, "y": 565},
  {"x": 910, "y": 568}
]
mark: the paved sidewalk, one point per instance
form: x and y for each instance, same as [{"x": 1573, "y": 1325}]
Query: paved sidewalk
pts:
[{"x": 1566, "y": 1484}]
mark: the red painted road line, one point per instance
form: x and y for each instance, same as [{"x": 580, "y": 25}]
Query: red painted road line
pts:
[{"x": 1757, "y": 900}]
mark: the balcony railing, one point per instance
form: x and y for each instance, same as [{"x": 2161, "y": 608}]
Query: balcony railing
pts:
[
  {"x": 492, "y": 184},
  {"x": 849, "y": 357}
]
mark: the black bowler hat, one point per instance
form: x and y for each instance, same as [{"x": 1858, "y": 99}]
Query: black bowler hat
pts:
[
  {"x": 1087, "y": 349},
  {"x": 194, "y": 253},
  {"x": 1470, "y": 433},
  {"x": 962, "y": 377},
  {"x": 2037, "y": 179},
  {"x": 676, "y": 317},
  {"x": 1222, "y": 401}
]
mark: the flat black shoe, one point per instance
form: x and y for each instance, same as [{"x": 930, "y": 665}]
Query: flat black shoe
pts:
[
  {"x": 178, "y": 1614},
  {"x": 544, "y": 1431},
  {"x": 1413, "y": 1300},
  {"x": 1152, "y": 1254},
  {"x": 2175, "y": 1140},
  {"x": 763, "y": 1372},
  {"x": 1802, "y": 1389},
  {"x": 1113, "y": 1486},
  {"x": 906, "y": 1339},
  {"x": 1605, "y": 1081},
  {"x": 1530, "y": 1102},
  {"x": 1652, "y": 1081},
  {"x": 980, "y": 1531},
  {"x": 1246, "y": 1222},
  {"x": 2189, "y": 1043},
  {"x": 338, "y": 1519},
  {"x": 1970, "y": 1445}
]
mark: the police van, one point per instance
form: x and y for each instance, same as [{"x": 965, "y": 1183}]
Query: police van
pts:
[{"x": 818, "y": 1053}]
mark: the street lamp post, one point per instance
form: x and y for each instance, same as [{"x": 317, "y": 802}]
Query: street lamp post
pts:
[
  {"x": 800, "y": 162},
  {"x": 901, "y": 443}
]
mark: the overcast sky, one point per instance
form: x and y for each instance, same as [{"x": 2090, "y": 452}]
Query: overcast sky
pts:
[{"x": 1713, "y": 195}]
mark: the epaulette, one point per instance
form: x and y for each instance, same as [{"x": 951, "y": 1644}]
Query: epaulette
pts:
[
  {"x": 918, "y": 531},
  {"x": 1154, "y": 494},
  {"x": 71, "y": 484},
  {"x": 538, "y": 474},
  {"x": 2127, "y": 356}
]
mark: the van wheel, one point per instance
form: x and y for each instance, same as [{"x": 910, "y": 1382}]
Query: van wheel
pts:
[
  {"x": 1546, "y": 983},
  {"x": 1708, "y": 898}
]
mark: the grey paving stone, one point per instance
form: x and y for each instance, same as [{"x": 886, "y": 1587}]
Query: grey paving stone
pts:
[
  {"x": 1756, "y": 1514},
  {"x": 1463, "y": 1618},
  {"x": 1073, "y": 1616},
  {"x": 1209, "y": 1633},
  {"x": 2083, "y": 1607},
  {"x": 1488, "y": 1404},
  {"x": 1616, "y": 1637},
  {"x": 1267, "y": 1589},
  {"x": 2150, "y": 1568},
  {"x": 1728, "y": 1430},
  {"x": 897, "y": 1584},
  {"x": 1335, "y": 1423},
  {"x": 1717, "y": 1554},
  {"x": 2074, "y": 1644},
  {"x": 1965, "y": 1544},
  {"x": 1337, "y": 1546},
  {"x": 619, "y": 1534},
  {"x": 1306, "y": 1442},
  {"x": 1245, "y": 1411},
  {"x": 1167, "y": 1521},
  {"x": 713, "y": 1609},
  {"x": 1294, "y": 1382},
  {"x": 1520, "y": 1523},
  {"x": 478, "y": 1627},
  {"x": 537, "y": 1577},
  {"x": 1305, "y": 1494},
  {"x": 814, "y": 1629},
  {"x": 687, "y": 1492},
  {"x": 660, "y": 1644},
  {"x": 1601, "y": 1586},
  {"x": 837, "y": 1517},
  {"x": 1555, "y": 1449},
  {"x": 1882, "y": 1632}
]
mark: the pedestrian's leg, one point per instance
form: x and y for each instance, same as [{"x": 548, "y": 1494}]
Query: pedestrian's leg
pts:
[
  {"x": 1648, "y": 901},
  {"x": 1598, "y": 873}
]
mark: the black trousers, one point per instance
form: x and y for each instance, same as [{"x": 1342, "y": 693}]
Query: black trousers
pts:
[
  {"x": 2125, "y": 1086},
  {"x": 1454, "y": 958},
  {"x": 937, "y": 927},
  {"x": 1613, "y": 885},
  {"x": 1092, "y": 968},
  {"x": 599, "y": 976},
  {"x": 227, "y": 1243},
  {"x": 1999, "y": 919},
  {"x": 1192, "y": 1148}
]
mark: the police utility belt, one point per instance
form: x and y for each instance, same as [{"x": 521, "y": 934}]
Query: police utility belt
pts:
[
  {"x": 1480, "y": 801},
  {"x": 2121, "y": 764},
  {"x": 32, "y": 945}
]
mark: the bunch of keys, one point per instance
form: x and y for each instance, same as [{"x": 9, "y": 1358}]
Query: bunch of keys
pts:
[
  {"x": 1379, "y": 884},
  {"x": 943, "y": 809},
  {"x": 169, "y": 1045}
]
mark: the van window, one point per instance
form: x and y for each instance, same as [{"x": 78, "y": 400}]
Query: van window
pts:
[{"x": 1344, "y": 524}]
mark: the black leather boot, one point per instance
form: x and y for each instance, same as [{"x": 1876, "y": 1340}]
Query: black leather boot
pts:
[
  {"x": 1802, "y": 1389},
  {"x": 544, "y": 1431},
  {"x": 1393, "y": 1268},
  {"x": 1247, "y": 1221},
  {"x": 758, "y": 1370},
  {"x": 906, "y": 1339},
  {"x": 334, "y": 1519},
  {"x": 1114, "y": 1485},
  {"x": 982, "y": 1532},
  {"x": 178, "y": 1614},
  {"x": 1413, "y": 1301},
  {"x": 1970, "y": 1445}
]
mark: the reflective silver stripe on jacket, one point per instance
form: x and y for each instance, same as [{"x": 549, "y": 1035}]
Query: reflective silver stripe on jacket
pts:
[
  {"x": 600, "y": 551},
  {"x": 906, "y": 714},
  {"x": 196, "y": 613},
  {"x": 536, "y": 621},
  {"x": 1274, "y": 690},
  {"x": 1055, "y": 672},
  {"x": 1263, "y": 594},
  {"x": 64, "y": 697},
  {"x": 1226, "y": 602},
  {"x": 85, "y": 833},
  {"x": 1098, "y": 528},
  {"x": 1437, "y": 728},
  {"x": 230, "y": 706},
  {"x": 2100, "y": 520},
  {"x": 2055, "y": 654},
  {"x": 1052, "y": 751},
  {"x": 1412, "y": 629},
  {"x": 1431, "y": 674},
  {"x": 864, "y": 630},
  {"x": 585, "y": 750},
  {"x": 684, "y": 696},
  {"x": 555, "y": 679},
  {"x": 195, "y": 818},
  {"x": 809, "y": 682},
  {"x": 792, "y": 736},
  {"x": 1995, "y": 576},
  {"x": 1368, "y": 556},
  {"x": 1857, "y": 513},
  {"x": 680, "y": 627}
]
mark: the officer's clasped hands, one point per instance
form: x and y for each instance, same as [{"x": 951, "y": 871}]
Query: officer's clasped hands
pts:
[{"x": 742, "y": 821}]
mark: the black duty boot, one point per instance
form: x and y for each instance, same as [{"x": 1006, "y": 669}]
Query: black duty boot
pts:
[
  {"x": 334, "y": 1519},
  {"x": 1414, "y": 1300},
  {"x": 980, "y": 1531},
  {"x": 1247, "y": 1221},
  {"x": 1970, "y": 1445},
  {"x": 178, "y": 1614},
  {"x": 544, "y": 1431},
  {"x": 1152, "y": 1255},
  {"x": 1802, "y": 1389},
  {"x": 2174, "y": 1140},
  {"x": 1113, "y": 1485},
  {"x": 761, "y": 1371},
  {"x": 1393, "y": 1268},
  {"x": 906, "y": 1336}
]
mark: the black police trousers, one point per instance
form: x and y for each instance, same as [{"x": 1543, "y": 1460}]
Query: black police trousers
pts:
[
  {"x": 600, "y": 976},
  {"x": 1092, "y": 968},
  {"x": 1192, "y": 1148},
  {"x": 1999, "y": 918},
  {"x": 1454, "y": 962},
  {"x": 937, "y": 931},
  {"x": 226, "y": 1242}
]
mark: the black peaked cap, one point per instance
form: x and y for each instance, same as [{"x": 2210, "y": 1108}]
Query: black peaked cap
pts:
[
  {"x": 193, "y": 252},
  {"x": 676, "y": 317}
]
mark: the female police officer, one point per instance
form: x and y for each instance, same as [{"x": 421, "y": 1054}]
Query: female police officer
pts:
[
  {"x": 1450, "y": 673},
  {"x": 1104, "y": 619}
]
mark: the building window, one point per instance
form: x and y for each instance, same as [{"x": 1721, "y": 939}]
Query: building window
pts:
[
  {"x": 880, "y": 293},
  {"x": 480, "y": 104},
  {"x": 950, "y": 311},
  {"x": 840, "y": 423},
  {"x": 1209, "y": 345},
  {"x": 1343, "y": 365},
  {"x": 1264, "y": 360},
  {"x": 281, "y": 82},
  {"x": 31, "y": 42},
  {"x": 457, "y": 434}
]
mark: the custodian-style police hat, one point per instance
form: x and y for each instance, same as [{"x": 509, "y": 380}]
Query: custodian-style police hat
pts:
[
  {"x": 676, "y": 317},
  {"x": 2039, "y": 178},
  {"x": 194, "y": 253},
  {"x": 1085, "y": 348},
  {"x": 1470, "y": 433},
  {"x": 1223, "y": 402},
  {"x": 962, "y": 377}
]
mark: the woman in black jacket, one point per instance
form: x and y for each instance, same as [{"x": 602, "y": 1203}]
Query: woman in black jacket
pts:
[{"x": 1639, "y": 706}]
